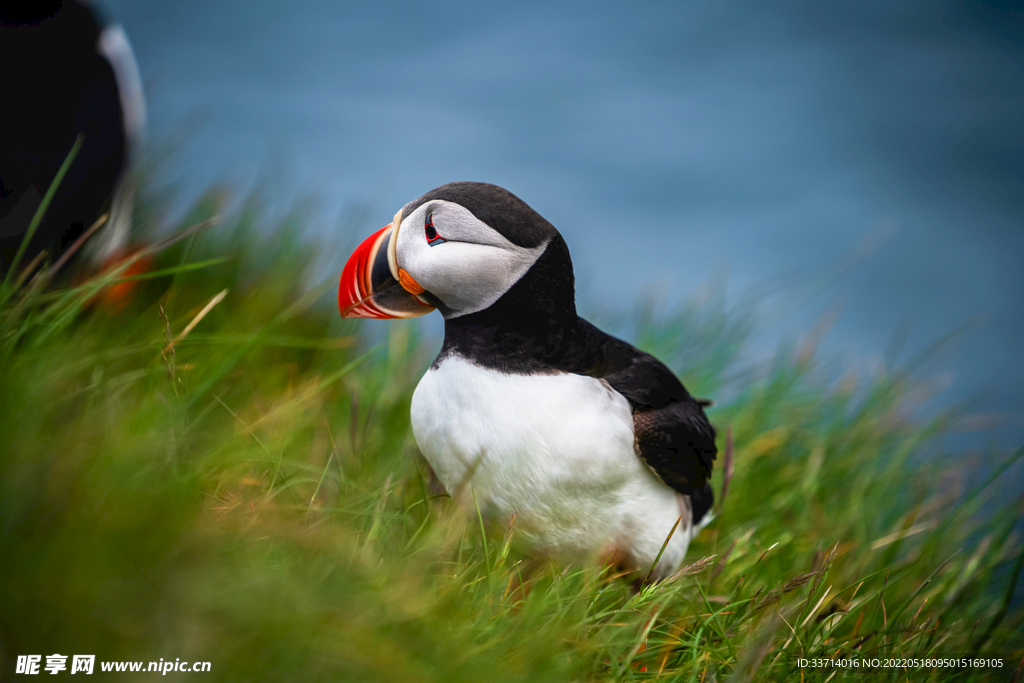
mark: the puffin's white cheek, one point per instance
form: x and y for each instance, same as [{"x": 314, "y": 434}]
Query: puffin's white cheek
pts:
[{"x": 466, "y": 277}]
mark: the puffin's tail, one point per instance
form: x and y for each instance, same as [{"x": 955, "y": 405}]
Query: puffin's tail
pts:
[{"x": 701, "y": 502}]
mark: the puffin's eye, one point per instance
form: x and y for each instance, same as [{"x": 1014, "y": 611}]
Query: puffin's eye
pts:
[{"x": 433, "y": 239}]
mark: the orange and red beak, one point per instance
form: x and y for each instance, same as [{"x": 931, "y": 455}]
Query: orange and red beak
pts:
[{"x": 369, "y": 288}]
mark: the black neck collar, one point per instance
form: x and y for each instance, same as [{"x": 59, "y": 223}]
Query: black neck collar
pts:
[{"x": 533, "y": 328}]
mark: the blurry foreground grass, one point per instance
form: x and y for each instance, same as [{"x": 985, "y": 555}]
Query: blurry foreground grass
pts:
[{"x": 251, "y": 496}]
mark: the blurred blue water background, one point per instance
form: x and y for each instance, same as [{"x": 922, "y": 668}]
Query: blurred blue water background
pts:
[{"x": 870, "y": 155}]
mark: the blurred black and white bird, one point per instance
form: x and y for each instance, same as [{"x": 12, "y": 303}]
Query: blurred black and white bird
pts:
[
  {"x": 593, "y": 446},
  {"x": 67, "y": 72}
]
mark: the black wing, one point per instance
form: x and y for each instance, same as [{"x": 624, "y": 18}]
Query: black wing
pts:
[{"x": 672, "y": 433}]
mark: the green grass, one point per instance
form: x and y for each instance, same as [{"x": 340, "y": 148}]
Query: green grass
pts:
[{"x": 252, "y": 497}]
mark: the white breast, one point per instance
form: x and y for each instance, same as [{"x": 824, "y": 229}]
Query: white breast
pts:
[{"x": 556, "y": 451}]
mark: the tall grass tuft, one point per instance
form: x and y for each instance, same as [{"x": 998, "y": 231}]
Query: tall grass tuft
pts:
[{"x": 223, "y": 471}]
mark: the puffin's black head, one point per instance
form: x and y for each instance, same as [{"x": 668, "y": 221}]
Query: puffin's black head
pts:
[
  {"x": 458, "y": 248},
  {"x": 496, "y": 208}
]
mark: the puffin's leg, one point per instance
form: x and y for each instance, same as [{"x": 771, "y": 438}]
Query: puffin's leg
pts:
[
  {"x": 685, "y": 513},
  {"x": 520, "y": 582},
  {"x": 618, "y": 559}
]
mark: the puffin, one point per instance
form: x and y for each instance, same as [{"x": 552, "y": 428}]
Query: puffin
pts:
[
  {"x": 73, "y": 75},
  {"x": 530, "y": 415}
]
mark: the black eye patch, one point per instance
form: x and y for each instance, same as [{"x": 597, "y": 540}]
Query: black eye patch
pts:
[{"x": 433, "y": 239}]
